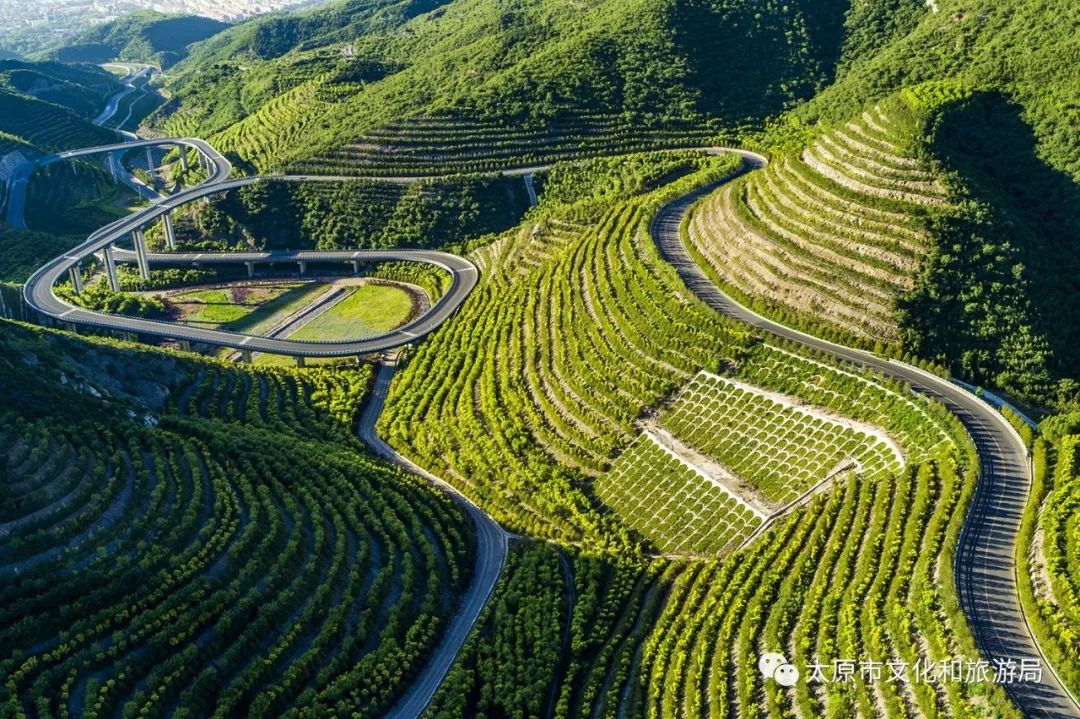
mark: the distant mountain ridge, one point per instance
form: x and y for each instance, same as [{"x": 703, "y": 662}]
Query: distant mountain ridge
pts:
[{"x": 148, "y": 37}]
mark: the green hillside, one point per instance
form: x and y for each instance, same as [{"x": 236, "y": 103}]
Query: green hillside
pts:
[
  {"x": 81, "y": 89},
  {"x": 147, "y": 36},
  {"x": 48, "y": 126},
  {"x": 602, "y": 66},
  {"x": 684, "y": 491},
  {"x": 49, "y": 105},
  {"x": 217, "y": 537}
]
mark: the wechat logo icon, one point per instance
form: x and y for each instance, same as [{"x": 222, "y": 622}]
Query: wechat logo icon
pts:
[{"x": 775, "y": 666}]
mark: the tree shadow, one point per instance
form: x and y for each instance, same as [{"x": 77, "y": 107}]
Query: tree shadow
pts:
[
  {"x": 1023, "y": 227},
  {"x": 748, "y": 63},
  {"x": 1036, "y": 209}
]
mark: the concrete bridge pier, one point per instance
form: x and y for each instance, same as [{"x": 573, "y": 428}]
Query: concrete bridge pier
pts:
[
  {"x": 76, "y": 279},
  {"x": 300, "y": 362},
  {"x": 110, "y": 269},
  {"x": 356, "y": 267},
  {"x": 150, "y": 166},
  {"x": 303, "y": 266},
  {"x": 185, "y": 345},
  {"x": 183, "y": 158},
  {"x": 250, "y": 269},
  {"x": 245, "y": 356},
  {"x": 170, "y": 232},
  {"x": 140, "y": 253}
]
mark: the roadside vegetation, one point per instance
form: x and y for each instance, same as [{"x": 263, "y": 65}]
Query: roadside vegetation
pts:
[
  {"x": 1048, "y": 546},
  {"x": 353, "y": 215},
  {"x": 67, "y": 198},
  {"x": 689, "y": 493}
]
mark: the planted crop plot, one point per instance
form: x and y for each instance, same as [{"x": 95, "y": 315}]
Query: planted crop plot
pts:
[
  {"x": 863, "y": 571},
  {"x": 677, "y": 507},
  {"x": 773, "y": 442},
  {"x": 738, "y": 455},
  {"x": 532, "y": 385},
  {"x": 921, "y": 428},
  {"x": 1049, "y": 559}
]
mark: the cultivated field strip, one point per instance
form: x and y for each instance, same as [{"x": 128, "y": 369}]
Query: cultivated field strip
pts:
[
  {"x": 536, "y": 388},
  {"x": 1049, "y": 574},
  {"x": 228, "y": 559},
  {"x": 552, "y": 357},
  {"x": 48, "y": 126},
  {"x": 836, "y": 232},
  {"x": 853, "y": 574},
  {"x": 447, "y": 145},
  {"x": 672, "y": 504},
  {"x": 267, "y": 135},
  {"x": 771, "y": 441},
  {"x": 745, "y": 451}
]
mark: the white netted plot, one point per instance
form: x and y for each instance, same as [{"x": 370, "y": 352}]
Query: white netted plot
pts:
[{"x": 772, "y": 441}]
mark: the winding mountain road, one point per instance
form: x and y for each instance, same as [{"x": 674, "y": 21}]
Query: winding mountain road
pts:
[
  {"x": 492, "y": 543},
  {"x": 985, "y": 566},
  {"x": 985, "y": 557},
  {"x": 491, "y": 540},
  {"x": 19, "y": 184}
]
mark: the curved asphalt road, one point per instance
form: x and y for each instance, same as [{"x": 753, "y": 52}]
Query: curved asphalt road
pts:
[
  {"x": 463, "y": 272},
  {"x": 16, "y": 210},
  {"x": 985, "y": 565},
  {"x": 491, "y": 548},
  {"x": 39, "y": 295},
  {"x": 491, "y": 539}
]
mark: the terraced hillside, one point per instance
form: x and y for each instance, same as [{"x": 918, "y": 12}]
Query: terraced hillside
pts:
[
  {"x": 683, "y": 505},
  {"x": 562, "y": 634},
  {"x": 864, "y": 568},
  {"x": 836, "y": 232},
  {"x": 526, "y": 423},
  {"x": 516, "y": 418},
  {"x": 727, "y": 455},
  {"x": 864, "y": 571},
  {"x": 452, "y": 144},
  {"x": 48, "y": 126},
  {"x": 1049, "y": 548},
  {"x": 358, "y": 214},
  {"x": 216, "y": 537},
  {"x": 81, "y": 89},
  {"x": 314, "y": 90}
]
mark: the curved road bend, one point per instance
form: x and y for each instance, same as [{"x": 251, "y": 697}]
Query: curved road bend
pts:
[
  {"x": 491, "y": 548},
  {"x": 463, "y": 272},
  {"x": 39, "y": 295},
  {"x": 16, "y": 210},
  {"x": 985, "y": 559}
]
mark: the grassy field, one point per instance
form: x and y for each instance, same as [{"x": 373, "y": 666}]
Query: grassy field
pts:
[
  {"x": 369, "y": 309},
  {"x": 247, "y": 309}
]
